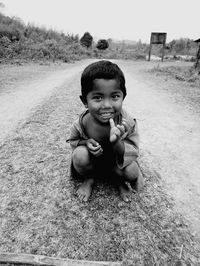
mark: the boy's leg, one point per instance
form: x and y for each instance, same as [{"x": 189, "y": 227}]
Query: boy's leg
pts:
[
  {"x": 131, "y": 174},
  {"x": 81, "y": 161},
  {"x": 134, "y": 176}
]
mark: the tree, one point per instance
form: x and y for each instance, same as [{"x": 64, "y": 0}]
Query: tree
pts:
[
  {"x": 102, "y": 44},
  {"x": 86, "y": 40}
]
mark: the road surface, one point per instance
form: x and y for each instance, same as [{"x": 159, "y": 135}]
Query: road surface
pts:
[{"x": 169, "y": 130}]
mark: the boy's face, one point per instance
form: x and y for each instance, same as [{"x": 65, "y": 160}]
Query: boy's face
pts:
[{"x": 105, "y": 100}]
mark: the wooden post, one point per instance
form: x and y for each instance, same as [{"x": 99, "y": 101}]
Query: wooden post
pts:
[
  {"x": 163, "y": 49},
  {"x": 150, "y": 47},
  {"x": 51, "y": 261}
]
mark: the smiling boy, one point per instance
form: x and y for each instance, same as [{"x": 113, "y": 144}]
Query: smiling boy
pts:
[{"x": 105, "y": 137}]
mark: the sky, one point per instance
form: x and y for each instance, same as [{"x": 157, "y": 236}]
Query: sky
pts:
[{"x": 115, "y": 19}]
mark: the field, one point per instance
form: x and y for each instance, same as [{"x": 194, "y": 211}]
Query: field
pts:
[{"x": 40, "y": 213}]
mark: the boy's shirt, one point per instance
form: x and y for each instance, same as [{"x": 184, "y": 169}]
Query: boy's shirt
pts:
[{"x": 130, "y": 138}]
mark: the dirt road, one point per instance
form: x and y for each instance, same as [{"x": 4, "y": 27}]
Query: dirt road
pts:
[
  {"x": 169, "y": 139},
  {"x": 169, "y": 126},
  {"x": 18, "y": 104}
]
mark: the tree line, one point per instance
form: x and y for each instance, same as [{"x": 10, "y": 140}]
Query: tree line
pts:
[{"x": 20, "y": 41}]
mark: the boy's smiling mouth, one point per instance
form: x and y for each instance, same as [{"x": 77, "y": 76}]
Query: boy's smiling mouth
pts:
[{"x": 106, "y": 115}]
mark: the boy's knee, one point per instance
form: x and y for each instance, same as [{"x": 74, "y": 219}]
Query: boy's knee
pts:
[
  {"x": 132, "y": 171},
  {"x": 80, "y": 157}
]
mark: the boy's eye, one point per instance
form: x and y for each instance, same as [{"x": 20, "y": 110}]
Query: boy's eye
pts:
[
  {"x": 116, "y": 96},
  {"x": 97, "y": 97}
]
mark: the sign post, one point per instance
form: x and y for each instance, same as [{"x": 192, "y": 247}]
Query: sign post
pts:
[{"x": 158, "y": 38}]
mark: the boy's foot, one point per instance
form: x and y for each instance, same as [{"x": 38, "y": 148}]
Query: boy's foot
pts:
[
  {"x": 138, "y": 184},
  {"x": 85, "y": 189},
  {"x": 124, "y": 192}
]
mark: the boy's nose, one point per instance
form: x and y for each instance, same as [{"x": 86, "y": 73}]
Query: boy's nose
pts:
[{"x": 106, "y": 103}]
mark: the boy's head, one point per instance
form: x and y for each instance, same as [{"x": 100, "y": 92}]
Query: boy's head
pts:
[{"x": 101, "y": 70}]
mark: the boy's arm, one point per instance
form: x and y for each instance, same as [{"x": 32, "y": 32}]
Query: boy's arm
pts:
[
  {"x": 118, "y": 148},
  {"x": 126, "y": 147},
  {"x": 82, "y": 142},
  {"x": 131, "y": 146},
  {"x": 75, "y": 135},
  {"x": 77, "y": 139}
]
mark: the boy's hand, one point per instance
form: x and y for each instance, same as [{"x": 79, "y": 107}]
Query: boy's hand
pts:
[
  {"x": 94, "y": 147},
  {"x": 117, "y": 131}
]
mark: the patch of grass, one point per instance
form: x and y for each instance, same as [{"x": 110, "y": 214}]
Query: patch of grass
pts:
[
  {"x": 180, "y": 80},
  {"x": 182, "y": 73}
]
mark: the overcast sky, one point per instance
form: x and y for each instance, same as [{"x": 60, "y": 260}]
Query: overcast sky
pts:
[{"x": 116, "y": 19}]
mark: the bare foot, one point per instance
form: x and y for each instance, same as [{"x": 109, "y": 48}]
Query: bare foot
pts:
[
  {"x": 85, "y": 189},
  {"x": 124, "y": 192}
]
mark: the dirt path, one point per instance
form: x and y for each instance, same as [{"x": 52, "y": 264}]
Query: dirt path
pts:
[
  {"x": 170, "y": 139},
  {"x": 169, "y": 131},
  {"x": 33, "y": 165},
  {"x": 18, "y": 104}
]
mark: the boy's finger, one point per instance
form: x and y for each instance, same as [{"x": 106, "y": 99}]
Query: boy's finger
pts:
[
  {"x": 112, "y": 123},
  {"x": 94, "y": 142},
  {"x": 95, "y": 148},
  {"x": 98, "y": 152},
  {"x": 121, "y": 128},
  {"x": 125, "y": 125}
]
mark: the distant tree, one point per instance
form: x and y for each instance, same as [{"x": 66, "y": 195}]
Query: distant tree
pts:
[
  {"x": 102, "y": 44},
  {"x": 181, "y": 46},
  {"x": 86, "y": 40}
]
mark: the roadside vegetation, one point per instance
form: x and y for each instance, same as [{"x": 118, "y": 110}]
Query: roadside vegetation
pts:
[
  {"x": 24, "y": 43},
  {"x": 185, "y": 73}
]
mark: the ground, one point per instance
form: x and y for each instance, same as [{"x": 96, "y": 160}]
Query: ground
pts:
[{"x": 40, "y": 213}]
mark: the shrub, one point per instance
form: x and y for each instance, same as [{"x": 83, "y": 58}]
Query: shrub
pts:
[
  {"x": 102, "y": 44},
  {"x": 86, "y": 40}
]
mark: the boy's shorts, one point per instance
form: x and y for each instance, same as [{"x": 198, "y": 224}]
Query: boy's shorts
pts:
[{"x": 103, "y": 166}]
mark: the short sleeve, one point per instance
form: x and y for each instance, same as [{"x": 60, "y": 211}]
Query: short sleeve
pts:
[
  {"x": 75, "y": 134},
  {"x": 131, "y": 146},
  {"x": 131, "y": 141}
]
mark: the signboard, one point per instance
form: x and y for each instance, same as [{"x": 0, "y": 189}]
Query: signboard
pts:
[{"x": 158, "y": 38}]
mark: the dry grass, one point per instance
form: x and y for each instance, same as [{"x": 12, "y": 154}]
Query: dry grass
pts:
[
  {"x": 40, "y": 214},
  {"x": 182, "y": 81},
  {"x": 183, "y": 73}
]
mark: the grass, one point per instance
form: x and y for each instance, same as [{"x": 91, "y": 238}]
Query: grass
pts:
[
  {"x": 40, "y": 213},
  {"x": 183, "y": 73},
  {"x": 181, "y": 80}
]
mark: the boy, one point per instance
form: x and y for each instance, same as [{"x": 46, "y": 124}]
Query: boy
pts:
[{"x": 105, "y": 139}]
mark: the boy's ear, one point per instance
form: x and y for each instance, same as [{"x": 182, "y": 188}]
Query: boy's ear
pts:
[{"x": 83, "y": 100}]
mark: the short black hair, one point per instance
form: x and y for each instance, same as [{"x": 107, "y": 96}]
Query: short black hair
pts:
[{"x": 101, "y": 70}]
